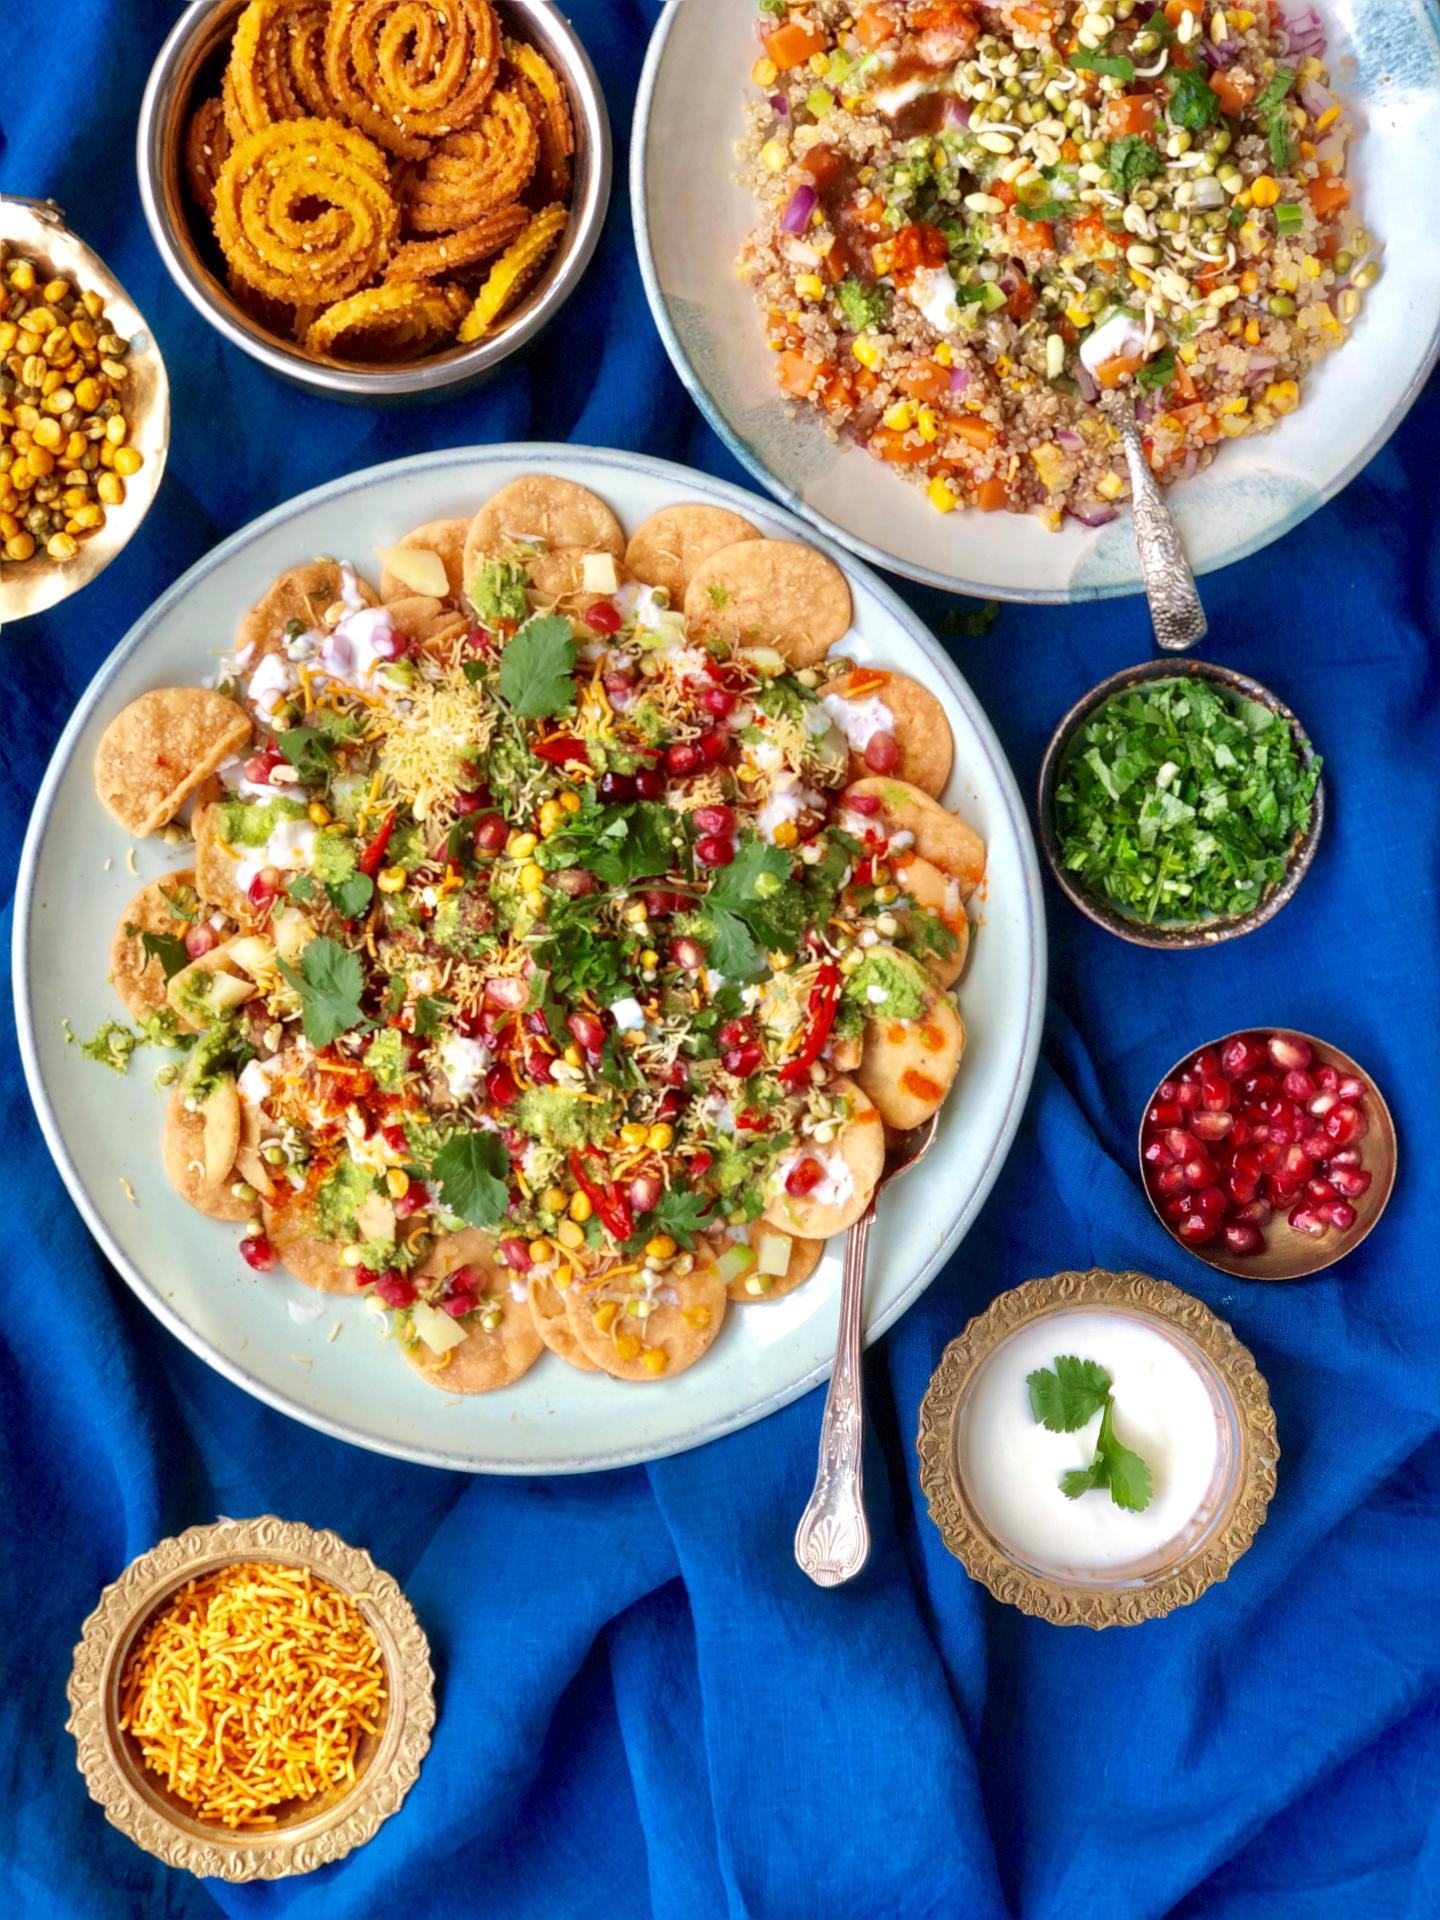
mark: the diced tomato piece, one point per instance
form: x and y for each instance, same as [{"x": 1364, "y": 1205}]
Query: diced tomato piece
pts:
[
  {"x": 946, "y": 16},
  {"x": 792, "y": 45},
  {"x": 820, "y": 165},
  {"x": 1003, "y": 191},
  {"x": 1033, "y": 19},
  {"x": 1020, "y": 301},
  {"x": 1128, "y": 113},
  {"x": 796, "y": 374},
  {"x": 1185, "y": 387},
  {"x": 1328, "y": 195},
  {"x": 1111, "y": 372},
  {"x": 873, "y": 27},
  {"x": 1174, "y": 9},
  {"x": 918, "y": 245},
  {"x": 1234, "y": 90}
]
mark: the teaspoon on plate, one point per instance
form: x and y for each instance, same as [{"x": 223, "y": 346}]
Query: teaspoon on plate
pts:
[{"x": 1175, "y": 608}]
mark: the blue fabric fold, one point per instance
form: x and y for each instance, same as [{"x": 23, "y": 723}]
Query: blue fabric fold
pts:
[{"x": 645, "y": 1710}]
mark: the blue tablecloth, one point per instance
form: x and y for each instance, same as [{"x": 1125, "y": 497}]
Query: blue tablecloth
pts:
[{"x": 644, "y": 1707}]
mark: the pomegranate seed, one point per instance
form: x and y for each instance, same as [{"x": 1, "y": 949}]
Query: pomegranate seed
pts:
[
  {"x": 1243, "y": 1186},
  {"x": 1327, "y": 1078},
  {"x": 1288, "y": 1052},
  {"x": 458, "y": 1303},
  {"x": 1167, "y": 1090},
  {"x": 1196, "y": 1229},
  {"x": 1183, "y": 1145},
  {"x": 1340, "y": 1214},
  {"x": 1205, "y": 1063},
  {"x": 1280, "y": 1189},
  {"x": 365, "y": 1276},
  {"x": 1171, "y": 1180},
  {"x": 201, "y": 940},
  {"x": 257, "y": 1252},
  {"x": 1211, "y": 1126},
  {"x": 1350, "y": 1182},
  {"x": 644, "y": 1191},
  {"x": 1188, "y": 1092},
  {"x": 501, "y": 1086},
  {"x": 603, "y": 617},
  {"x": 1321, "y": 1191},
  {"x": 540, "y": 1067},
  {"x": 587, "y": 1031},
  {"x": 718, "y": 700},
  {"x": 1156, "y": 1154},
  {"x": 1352, "y": 1087},
  {"x": 620, "y": 689},
  {"x": 672, "y": 1104},
  {"x": 1242, "y": 1238},
  {"x": 1296, "y": 1164},
  {"x": 882, "y": 753},
  {"x": 1175, "y": 1209},
  {"x": 1319, "y": 1146},
  {"x": 508, "y": 992},
  {"x": 617, "y": 786},
  {"x": 1304, "y": 1219},
  {"x": 803, "y": 1176},
  {"x": 1241, "y": 1056},
  {"x": 1268, "y": 1154},
  {"x": 394, "y": 1288},
  {"x": 1166, "y": 1113},
  {"x": 863, "y": 802},
  {"x": 1211, "y": 1202},
  {"x": 1346, "y": 1124},
  {"x": 682, "y": 758},
  {"x": 1346, "y": 1157},
  {"x": 701, "y": 1163},
  {"x": 1298, "y": 1085},
  {"x": 264, "y": 887},
  {"x": 1257, "y": 1212},
  {"x": 1239, "y": 1130},
  {"x": 687, "y": 953},
  {"x": 743, "y": 1060},
  {"x": 713, "y": 747},
  {"x": 719, "y": 820},
  {"x": 491, "y": 832},
  {"x": 712, "y": 851},
  {"x": 734, "y": 1031},
  {"x": 649, "y": 783},
  {"x": 1323, "y": 1103},
  {"x": 1256, "y": 1086},
  {"x": 1200, "y": 1171},
  {"x": 1215, "y": 1093},
  {"x": 414, "y": 1200},
  {"x": 480, "y": 640}
]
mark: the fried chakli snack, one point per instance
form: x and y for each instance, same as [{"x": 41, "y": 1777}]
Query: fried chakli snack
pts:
[
  {"x": 155, "y": 753},
  {"x": 473, "y": 172},
  {"x": 411, "y": 71},
  {"x": 304, "y": 211},
  {"x": 397, "y": 317},
  {"x": 137, "y": 976},
  {"x": 277, "y": 62},
  {"x": 544, "y": 93},
  {"x": 449, "y": 253},
  {"x": 512, "y": 271},
  {"x": 207, "y": 148}
]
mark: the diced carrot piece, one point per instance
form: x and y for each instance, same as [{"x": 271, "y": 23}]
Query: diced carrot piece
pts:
[
  {"x": 1185, "y": 386},
  {"x": 1328, "y": 195},
  {"x": 821, "y": 164},
  {"x": 1128, "y": 113},
  {"x": 796, "y": 374},
  {"x": 792, "y": 45},
  {"x": 1020, "y": 301},
  {"x": 873, "y": 27},
  {"x": 1175, "y": 9},
  {"x": 1111, "y": 372},
  {"x": 1031, "y": 239},
  {"x": 991, "y": 497},
  {"x": 926, "y": 380},
  {"x": 974, "y": 431},
  {"x": 896, "y": 448},
  {"x": 1033, "y": 19},
  {"x": 1234, "y": 91},
  {"x": 948, "y": 16},
  {"x": 1002, "y": 190}
]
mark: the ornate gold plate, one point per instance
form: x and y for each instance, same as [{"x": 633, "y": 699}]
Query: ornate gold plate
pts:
[
  {"x": 1206, "y": 1558},
  {"x": 136, "y": 1801}
]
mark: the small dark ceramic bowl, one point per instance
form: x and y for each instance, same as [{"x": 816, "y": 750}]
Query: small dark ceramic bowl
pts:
[{"x": 1173, "y": 933}]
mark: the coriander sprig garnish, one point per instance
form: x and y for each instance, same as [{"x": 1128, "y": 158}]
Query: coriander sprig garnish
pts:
[{"x": 1063, "y": 1401}]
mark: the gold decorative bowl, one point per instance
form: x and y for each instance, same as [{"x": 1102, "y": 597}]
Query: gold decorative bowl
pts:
[
  {"x": 319, "y": 1831},
  {"x": 37, "y": 228},
  {"x": 1203, "y": 1552}
]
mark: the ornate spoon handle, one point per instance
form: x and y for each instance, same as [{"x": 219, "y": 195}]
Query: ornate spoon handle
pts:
[
  {"x": 832, "y": 1541},
  {"x": 1175, "y": 607}
]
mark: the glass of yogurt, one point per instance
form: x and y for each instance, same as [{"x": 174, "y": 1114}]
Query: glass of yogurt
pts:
[{"x": 1184, "y": 1396}]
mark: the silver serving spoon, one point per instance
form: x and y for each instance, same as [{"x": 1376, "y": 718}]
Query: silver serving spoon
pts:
[
  {"x": 1175, "y": 608},
  {"x": 832, "y": 1541}
]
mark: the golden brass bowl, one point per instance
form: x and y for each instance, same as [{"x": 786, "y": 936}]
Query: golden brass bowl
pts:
[
  {"x": 38, "y": 229},
  {"x": 318, "y": 1831}
]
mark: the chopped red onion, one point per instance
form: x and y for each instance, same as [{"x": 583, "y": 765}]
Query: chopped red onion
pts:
[
  {"x": 1094, "y": 513},
  {"x": 959, "y": 379},
  {"x": 1069, "y": 439},
  {"x": 1223, "y": 55},
  {"x": 796, "y": 216},
  {"x": 1085, "y": 380},
  {"x": 779, "y": 104},
  {"x": 1314, "y": 98},
  {"x": 957, "y": 111}
]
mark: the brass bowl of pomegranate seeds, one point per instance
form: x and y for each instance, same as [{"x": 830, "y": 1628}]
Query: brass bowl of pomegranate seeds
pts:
[{"x": 1270, "y": 1154}]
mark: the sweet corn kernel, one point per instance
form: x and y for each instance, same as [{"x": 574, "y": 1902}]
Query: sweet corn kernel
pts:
[
  {"x": 764, "y": 72},
  {"x": 627, "y": 1346},
  {"x": 570, "y": 1235},
  {"x": 397, "y": 1182},
  {"x": 786, "y": 834},
  {"x": 649, "y": 958},
  {"x": 580, "y": 1207},
  {"x": 1265, "y": 190},
  {"x": 573, "y": 1056},
  {"x": 532, "y": 878},
  {"x": 809, "y": 286},
  {"x": 1077, "y": 315},
  {"x": 605, "y": 1313},
  {"x": 941, "y": 495},
  {"x": 551, "y": 815},
  {"x": 660, "y": 1248},
  {"x": 1283, "y": 396},
  {"x": 944, "y": 354},
  {"x": 654, "y": 1360},
  {"x": 635, "y": 914},
  {"x": 774, "y": 156},
  {"x": 867, "y": 352},
  {"x": 900, "y": 417},
  {"x": 570, "y": 800},
  {"x": 539, "y": 1250},
  {"x": 520, "y": 846},
  {"x": 632, "y": 1134},
  {"x": 1236, "y": 404},
  {"x": 391, "y": 879},
  {"x": 660, "y": 1137},
  {"x": 553, "y": 1199},
  {"x": 1109, "y": 486},
  {"x": 318, "y": 813}
]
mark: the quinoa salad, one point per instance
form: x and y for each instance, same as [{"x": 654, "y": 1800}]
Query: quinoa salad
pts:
[
  {"x": 567, "y": 927},
  {"x": 986, "y": 227}
]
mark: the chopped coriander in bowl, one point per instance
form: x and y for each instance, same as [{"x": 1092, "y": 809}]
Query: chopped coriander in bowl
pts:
[{"x": 1180, "y": 805}]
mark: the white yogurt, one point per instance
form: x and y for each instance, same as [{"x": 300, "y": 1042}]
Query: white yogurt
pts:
[
  {"x": 288, "y": 848},
  {"x": 859, "y": 720},
  {"x": 1011, "y": 1465},
  {"x": 463, "y": 1061},
  {"x": 1122, "y": 334},
  {"x": 931, "y": 291}
]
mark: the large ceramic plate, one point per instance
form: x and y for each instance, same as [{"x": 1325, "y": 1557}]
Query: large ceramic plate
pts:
[
  {"x": 690, "y": 220},
  {"x": 104, "y": 1131}
]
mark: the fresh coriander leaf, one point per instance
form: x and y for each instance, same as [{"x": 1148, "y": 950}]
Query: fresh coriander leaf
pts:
[
  {"x": 756, "y": 888},
  {"x": 1126, "y": 1474},
  {"x": 430, "y": 1010},
  {"x": 183, "y": 902},
  {"x": 168, "y": 949},
  {"x": 1276, "y": 89},
  {"x": 1194, "y": 103},
  {"x": 473, "y": 1171},
  {"x": 309, "y": 753},
  {"x": 617, "y": 1068},
  {"x": 862, "y": 306},
  {"x": 680, "y": 1213},
  {"x": 1157, "y": 373},
  {"x": 1158, "y": 23},
  {"x": 1132, "y": 159},
  {"x": 1081, "y": 1479},
  {"x": 351, "y": 897},
  {"x": 300, "y": 888},
  {"x": 1044, "y": 210},
  {"x": 500, "y": 592},
  {"x": 728, "y": 945},
  {"x": 329, "y": 983},
  {"x": 395, "y": 988},
  {"x": 1115, "y": 66},
  {"x": 619, "y": 844},
  {"x": 1074, "y": 1393},
  {"x": 536, "y": 667}
]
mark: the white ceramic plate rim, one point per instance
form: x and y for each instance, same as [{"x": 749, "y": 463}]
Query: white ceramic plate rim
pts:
[
  {"x": 525, "y": 456},
  {"x": 856, "y": 543}
]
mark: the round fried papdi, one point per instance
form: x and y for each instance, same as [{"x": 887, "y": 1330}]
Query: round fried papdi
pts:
[
  {"x": 917, "y": 720},
  {"x": 137, "y": 976},
  {"x": 155, "y": 753},
  {"x": 547, "y": 1310},
  {"x": 429, "y": 623},
  {"x": 681, "y": 1328},
  {"x": 183, "y": 1151},
  {"x": 666, "y": 549},
  {"x": 773, "y": 593},
  {"x": 483, "y": 1361},
  {"x": 804, "y": 1258},
  {"x": 940, "y": 837},
  {"x": 907, "y": 1065},
  {"x": 290, "y": 1229},
  {"x": 303, "y": 594},
  {"x": 445, "y": 537},
  {"x": 861, "y": 1145},
  {"x": 215, "y": 869},
  {"x": 556, "y": 513},
  {"x": 937, "y": 893}
]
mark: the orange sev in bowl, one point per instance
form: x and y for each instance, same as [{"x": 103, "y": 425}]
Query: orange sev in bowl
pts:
[{"x": 251, "y": 1690}]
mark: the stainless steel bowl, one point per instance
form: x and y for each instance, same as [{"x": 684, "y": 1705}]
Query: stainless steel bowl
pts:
[{"x": 192, "y": 50}]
